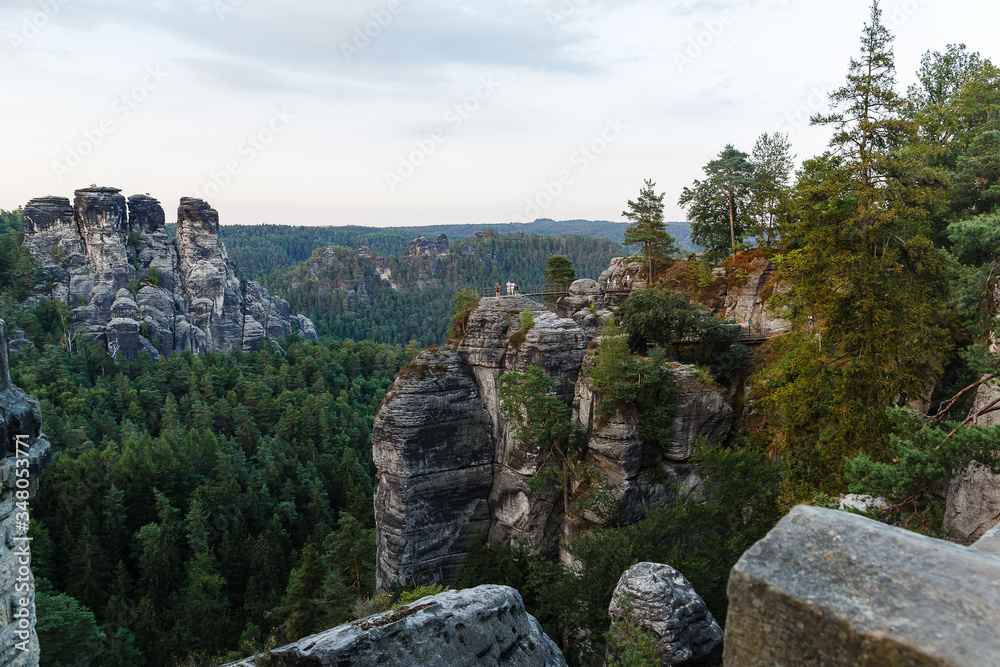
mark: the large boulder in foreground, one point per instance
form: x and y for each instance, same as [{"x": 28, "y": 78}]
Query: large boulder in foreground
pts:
[
  {"x": 832, "y": 588},
  {"x": 663, "y": 601},
  {"x": 486, "y": 625}
]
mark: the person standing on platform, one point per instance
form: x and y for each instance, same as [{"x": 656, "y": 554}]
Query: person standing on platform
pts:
[{"x": 497, "y": 288}]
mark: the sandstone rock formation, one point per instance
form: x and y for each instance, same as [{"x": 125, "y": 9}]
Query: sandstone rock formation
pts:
[
  {"x": 973, "y": 505},
  {"x": 832, "y": 588},
  {"x": 613, "y": 280},
  {"x": 435, "y": 469},
  {"x": 989, "y": 542},
  {"x": 449, "y": 468},
  {"x": 421, "y": 246},
  {"x": 131, "y": 286},
  {"x": 646, "y": 479},
  {"x": 486, "y": 625},
  {"x": 746, "y": 304},
  {"x": 662, "y": 600},
  {"x": 489, "y": 349},
  {"x": 585, "y": 305},
  {"x": 26, "y": 454}
]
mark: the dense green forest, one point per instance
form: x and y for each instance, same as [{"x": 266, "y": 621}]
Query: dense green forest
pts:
[
  {"x": 346, "y": 298},
  {"x": 184, "y": 493},
  {"x": 260, "y": 249}
]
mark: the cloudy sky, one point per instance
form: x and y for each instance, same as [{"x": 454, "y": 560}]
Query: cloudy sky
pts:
[{"x": 409, "y": 112}]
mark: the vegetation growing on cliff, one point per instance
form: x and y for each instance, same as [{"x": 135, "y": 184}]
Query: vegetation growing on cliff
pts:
[{"x": 701, "y": 537}]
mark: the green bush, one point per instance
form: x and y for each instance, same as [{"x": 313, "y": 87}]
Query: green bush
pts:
[{"x": 465, "y": 303}]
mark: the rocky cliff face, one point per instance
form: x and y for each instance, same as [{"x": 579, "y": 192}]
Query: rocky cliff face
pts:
[
  {"x": 26, "y": 453},
  {"x": 746, "y": 301},
  {"x": 131, "y": 286},
  {"x": 974, "y": 496},
  {"x": 449, "y": 468}
]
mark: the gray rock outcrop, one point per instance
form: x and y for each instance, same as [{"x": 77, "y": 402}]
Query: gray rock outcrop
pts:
[
  {"x": 421, "y": 246},
  {"x": 585, "y": 305},
  {"x": 486, "y": 625},
  {"x": 702, "y": 411},
  {"x": 973, "y": 505},
  {"x": 132, "y": 286},
  {"x": 434, "y": 456},
  {"x": 26, "y": 453},
  {"x": 645, "y": 479},
  {"x": 449, "y": 468},
  {"x": 989, "y": 542},
  {"x": 613, "y": 280},
  {"x": 747, "y": 303},
  {"x": 659, "y": 598},
  {"x": 826, "y": 587},
  {"x": 493, "y": 345}
]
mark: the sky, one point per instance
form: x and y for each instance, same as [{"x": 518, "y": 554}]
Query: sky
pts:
[{"x": 418, "y": 112}]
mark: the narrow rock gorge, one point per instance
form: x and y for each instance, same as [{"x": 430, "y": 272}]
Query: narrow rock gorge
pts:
[
  {"x": 450, "y": 471},
  {"x": 111, "y": 260}
]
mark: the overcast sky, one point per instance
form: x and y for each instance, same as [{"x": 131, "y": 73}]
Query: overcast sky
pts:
[{"x": 410, "y": 112}]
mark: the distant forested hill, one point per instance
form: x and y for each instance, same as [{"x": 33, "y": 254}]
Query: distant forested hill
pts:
[
  {"x": 259, "y": 249},
  {"x": 395, "y": 299}
]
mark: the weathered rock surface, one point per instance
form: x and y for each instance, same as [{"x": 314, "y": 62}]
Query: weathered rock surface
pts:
[
  {"x": 832, "y": 588},
  {"x": 702, "y": 410},
  {"x": 449, "y": 468},
  {"x": 585, "y": 305},
  {"x": 486, "y": 625},
  {"x": 493, "y": 345},
  {"x": 663, "y": 601},
  {"x": 433, "y": 449},
  {"x": 747, "y": 304},
  {"x": 186, "y": 293},
  {"x": 613, "y": 280},
  {"x": 646, "y": 479},
  {"x": 26, "y": 453},
  {"x": 973, "y": 505},
  {"x": 989, "y": 542},
  {"x": 421, "y": 246}
]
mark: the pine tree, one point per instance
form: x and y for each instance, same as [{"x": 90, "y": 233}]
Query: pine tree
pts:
[
  {"x": 559, "y": 271},
  {"x": 718, "y": 206},
  {"x": 648, "y": 229},
  {"x": 862, "y": 266},
  {"x": 772, "y": 163}
]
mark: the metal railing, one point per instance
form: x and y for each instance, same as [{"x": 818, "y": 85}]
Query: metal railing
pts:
[{"x": 530, "y": 290}]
